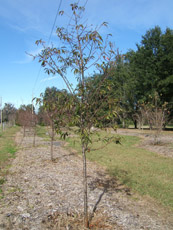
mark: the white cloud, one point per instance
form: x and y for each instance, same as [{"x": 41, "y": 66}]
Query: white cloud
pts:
[
  {"x": 48, "y": 78},
  {"x": 28, "y": 58}
]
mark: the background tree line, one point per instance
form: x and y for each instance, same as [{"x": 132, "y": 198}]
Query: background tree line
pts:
[{"x": 135, "y": 78}]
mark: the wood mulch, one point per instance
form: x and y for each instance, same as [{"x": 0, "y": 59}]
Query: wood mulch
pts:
[{"x": 40, "y": 194}]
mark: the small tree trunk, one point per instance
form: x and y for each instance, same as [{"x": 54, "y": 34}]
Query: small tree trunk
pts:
[
  {"x": 164, "y": 126},
  {"x": 86, "y": 221},
  {"x": 34, "y": 136},
  {"x": 135, "y": 124},
  {"x": 23, "y": 131},
  {"x": 123, "y": 124},
  {"x": 150, "y": 125},
  {"x": 51, "y": 145}
]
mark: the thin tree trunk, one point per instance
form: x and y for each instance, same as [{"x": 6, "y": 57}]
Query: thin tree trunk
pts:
[
  {"x": 86, "y": 221},
  {"x": 150, "y": 125},
  {"x": 34, "y": 137},
  {"x": 51, "y": 145},
  {"x": 123, "y": 124},
  {"x": 135, "y": 124},
  {"x": 23, "y": 131},
  {"x": 124, "y": 121}
]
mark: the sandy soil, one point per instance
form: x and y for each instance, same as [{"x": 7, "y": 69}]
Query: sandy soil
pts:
[{"x": 38, "y": 190}]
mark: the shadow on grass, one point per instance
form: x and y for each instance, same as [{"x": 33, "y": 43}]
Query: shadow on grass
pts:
[
  {"x": 168, "y": 129},
  {"x": 108, "y": 185}
]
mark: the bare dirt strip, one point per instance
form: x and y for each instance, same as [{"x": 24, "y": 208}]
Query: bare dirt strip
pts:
[{"x": 164, "y": 147}]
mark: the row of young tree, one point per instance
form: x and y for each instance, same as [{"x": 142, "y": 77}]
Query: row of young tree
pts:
[
  {"x": 135, "y": 86},
  {"x": 25, "y": 116},
  {"x": 137, "y": 78}
]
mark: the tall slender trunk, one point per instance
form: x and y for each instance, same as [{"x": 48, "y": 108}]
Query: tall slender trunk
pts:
[
  {"x": 123, "y": 124},
  {"x": 51, "y": 144},
  {"x": 123, "y": 121},
  {"x": 81, "y": 68},
  {"x": 150, "y": 125},
  {"x": 86, "y": 219},
  {"x": 34, "y": 136},
  {"x": 23, "y": 131},
  {"x": 135, "y": 124}
]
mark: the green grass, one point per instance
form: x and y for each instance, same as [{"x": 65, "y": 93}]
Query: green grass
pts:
[
  {"x": 7, "y": 151},
  {"x": 7, "y": 144},
  {"x": 144, "y": 172},
  {"x": 42, "y": 131},
  {"x": 170, "y": 126}
]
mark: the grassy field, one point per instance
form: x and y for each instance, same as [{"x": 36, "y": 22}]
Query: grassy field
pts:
[
  {"x": 145, "y": 172},
  {"x": 7, "y": 149},
  {"x": 7, "y": 144}
]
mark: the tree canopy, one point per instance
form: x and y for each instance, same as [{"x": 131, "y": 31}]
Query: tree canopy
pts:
[
  {"x": 152, "y": 65},
  {"x": 9, "y": 112}
]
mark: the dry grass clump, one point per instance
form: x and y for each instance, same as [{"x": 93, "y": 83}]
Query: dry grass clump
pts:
[{"x": 74, "y": 221}]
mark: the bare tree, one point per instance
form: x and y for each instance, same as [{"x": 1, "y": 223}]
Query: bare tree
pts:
[
  {"x": 55, "y": 112},
  {"x": 155, "y": 114},
  {"x": 24, "y": 119},
  {"x": 27, "y": 118}
]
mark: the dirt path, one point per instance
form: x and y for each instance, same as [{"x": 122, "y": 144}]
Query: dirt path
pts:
[
  {"x": 38, "y": 190},
  {"x": 164, "y": 148}
]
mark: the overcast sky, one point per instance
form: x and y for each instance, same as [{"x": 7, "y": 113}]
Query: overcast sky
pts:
[{"x": 23, "y": 22}]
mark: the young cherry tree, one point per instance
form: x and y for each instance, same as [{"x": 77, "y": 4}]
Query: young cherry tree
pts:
[
  {"x": 24, "y": 117},
  {"x": 83, "y": 49},
  {"x": 55, "y": 111}
]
